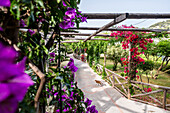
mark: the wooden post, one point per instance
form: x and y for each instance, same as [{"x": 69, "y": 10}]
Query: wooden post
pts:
[
  {"x": 129, "y": 65},
  {"x": 129, "y": 68},
  {"x": 129, "y": 95},
  {"x": 113, "y": 81},
  {"x": 164, "y": 99},
  {"x": 105, "y": 59}
]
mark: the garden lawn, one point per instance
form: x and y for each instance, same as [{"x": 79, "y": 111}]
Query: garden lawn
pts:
[{"x": 163, "y": 79}]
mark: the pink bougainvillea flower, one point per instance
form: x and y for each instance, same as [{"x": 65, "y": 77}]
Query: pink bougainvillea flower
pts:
[
  {"x": 1, "y": 29},
  {"x": 12, "y": 80},
  {"x": 64, "y": 4},
  {"x": 126, "y": 67},
  {"x": 5, "y": 3}
]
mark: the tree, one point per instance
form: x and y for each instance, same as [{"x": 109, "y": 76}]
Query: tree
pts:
[
  {"x": 164, "y": 51},
  {"x": 115, "y": 53}
]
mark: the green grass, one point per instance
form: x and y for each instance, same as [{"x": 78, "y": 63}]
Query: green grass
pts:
[{"x": 163, "y": 79}]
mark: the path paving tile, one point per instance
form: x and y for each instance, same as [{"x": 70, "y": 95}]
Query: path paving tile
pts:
[{"x": 105, "y": 98}]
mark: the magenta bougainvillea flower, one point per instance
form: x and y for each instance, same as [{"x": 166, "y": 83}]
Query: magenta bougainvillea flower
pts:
[
  {"x": 22, "y": 23},
  {"x": 92, "y": 109},
  {"x": 51, "y": 60},
  {"x": 71, "y": 13},
  {"x": 52, "y": 54},
  {"x": 31, "y": 32},
  {"x": 66, "y": 24},
  {"x": 88, "y": 102},
  {"x": 84, "y": 19},
  {"x": 14, "y": 82},
  {"x": 64, "y": 4},
  {"x": 1, "y": 29},
  {"x": 5, "y": 3},
  {"x": 71, "y": 65}
]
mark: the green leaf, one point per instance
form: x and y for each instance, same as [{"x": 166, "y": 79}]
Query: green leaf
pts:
[
  {"x": 32, "y": 16},
  {"x": 45, "y": 49},
  {"x": 30, "y": 55},
  {"x": 40, "y": 2},
  {"x": 29, "y": 71},
  {"x": 26, "y": 1},
  {"x": 58, "y": 1}
]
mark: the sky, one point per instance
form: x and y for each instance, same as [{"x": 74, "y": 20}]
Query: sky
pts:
[{"x": 123, "y": 6}]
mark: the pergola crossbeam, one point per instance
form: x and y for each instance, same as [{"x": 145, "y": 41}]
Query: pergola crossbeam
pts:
[
  {"x": 83, "y": 34},
  {"x": 85, "y": 38},
  {"x": 122, "y": 29},
  {"x": 130, "y": 15},
  {"x": 114, "y": 22}
]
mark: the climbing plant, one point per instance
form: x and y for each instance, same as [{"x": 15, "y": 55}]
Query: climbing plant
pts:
[
  {"x": 136, "y": 43},
  {"x": 42, "y": 21}
]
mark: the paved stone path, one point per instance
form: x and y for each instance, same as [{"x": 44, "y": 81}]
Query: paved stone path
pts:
[{"x": 105, "y": 98}]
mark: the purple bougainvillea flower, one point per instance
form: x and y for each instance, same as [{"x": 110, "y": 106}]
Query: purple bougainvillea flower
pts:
[
  {"x": 71, "y": 13},
  {"x": 9, "y": 105},
  {"x": 12, "y": 80},
  {"x": 5, "y": 3},
  {"x": 1, "y": 29},
  {"x": 71, "y": 65},
  {"x": 31, "y": 32},
  {"x": 64, "y": 4},
  {"x": 88, "y": 102},
  {"x": 92, "y": 109},
  {"x": 66, "y": 24},
  {"x": 51, "y": 60},
  {"x": 22, "y": 23},
  {"x": 52, "y": 54},
  {"x": 71, "y": 60},
  {"x": 58, "y": 110},
  {"x": 66, "y": 18},
  {"x": 83, "y": 19}
]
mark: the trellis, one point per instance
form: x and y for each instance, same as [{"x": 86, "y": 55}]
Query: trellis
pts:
[{"x": 111, "y": 76}]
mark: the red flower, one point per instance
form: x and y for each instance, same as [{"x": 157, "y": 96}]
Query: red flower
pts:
[
  {"x": 137, "y": 77},
  {"x": 126, "y": 77},
  {"x": 149, "y": 90}
]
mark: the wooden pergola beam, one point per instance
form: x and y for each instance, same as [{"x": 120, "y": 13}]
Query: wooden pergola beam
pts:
[
  {"x": 82, "y": 34},
  {"x": 131, "y": 15},
  {"x": 85, "y": 38},
  {"x": 122, "y": 29},
  {"x": 114, "y": 22}
]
